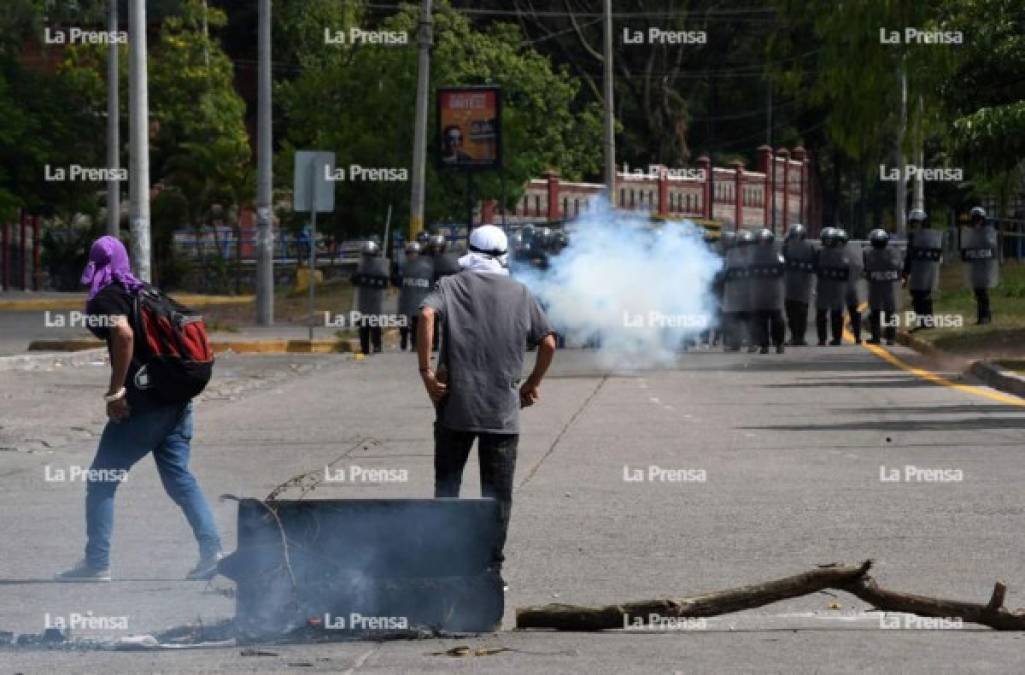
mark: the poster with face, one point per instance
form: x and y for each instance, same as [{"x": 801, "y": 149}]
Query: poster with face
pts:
[{"x": 469, "y": 127}]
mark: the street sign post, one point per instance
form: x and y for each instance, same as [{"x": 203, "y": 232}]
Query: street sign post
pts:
[{"x": 314, "y": 192}]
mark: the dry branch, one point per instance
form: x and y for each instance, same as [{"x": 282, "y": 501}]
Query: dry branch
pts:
[{"x": 854, "y": 580}]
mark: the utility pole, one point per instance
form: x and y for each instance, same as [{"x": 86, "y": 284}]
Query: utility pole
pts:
[
  {"x": 918, "y": 188},
  {"x": 264, "y": 222},
  {"x": 423, "y": 85},
  {"x": 609, "y": 142},
  {"x": 138, "y": 131},
  {"x": 772, "y": 156},
  {"x": 901, "y": 191},
  {"x": 113, "y": 127}
]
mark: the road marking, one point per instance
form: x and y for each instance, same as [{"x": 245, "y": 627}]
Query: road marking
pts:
[{"x": 897, "y": 362}]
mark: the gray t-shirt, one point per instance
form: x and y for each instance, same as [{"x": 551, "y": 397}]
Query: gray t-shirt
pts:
[{"x": 488, "y": 321}]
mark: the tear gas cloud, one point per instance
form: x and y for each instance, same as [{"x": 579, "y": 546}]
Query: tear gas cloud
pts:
[{"x": 635, "y": 288}]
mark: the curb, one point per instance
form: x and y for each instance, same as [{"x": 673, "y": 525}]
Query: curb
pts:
[
  {"x": 919, "y": 345},
  {"x": 998, "y": 378},
  {"x": 33, "y": 361},
  {"x": 77, "y": 301}
]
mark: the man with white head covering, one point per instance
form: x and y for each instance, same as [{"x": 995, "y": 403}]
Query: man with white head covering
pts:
[{"x": 488, "y": 319}]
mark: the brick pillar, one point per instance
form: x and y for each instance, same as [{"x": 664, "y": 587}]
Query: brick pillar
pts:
[
  {"x": 5, "y": 242},
  {"x": 37, "y": 268},
  {"x": 785, "y": 154},
  {"x": 553, "y": 194},
  {"x": 663, "y": 192},
  {"x": 765, "y": 166},
  {"x": 799, "y": 155},
  {"x": 23, "y": 253},
  {"x": 738, "y": 193},
  {"x": 705, "y": 164},
  {"x": 487, "y": 212}
]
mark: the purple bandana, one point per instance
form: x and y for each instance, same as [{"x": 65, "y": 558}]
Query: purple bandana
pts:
[{"x": 108, "y": 262}]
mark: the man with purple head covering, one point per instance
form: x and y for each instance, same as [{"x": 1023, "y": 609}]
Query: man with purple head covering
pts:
[{"x": 138, "y": 423}]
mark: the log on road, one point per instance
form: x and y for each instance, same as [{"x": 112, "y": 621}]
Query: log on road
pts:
[{"x": 853, "y": 580}]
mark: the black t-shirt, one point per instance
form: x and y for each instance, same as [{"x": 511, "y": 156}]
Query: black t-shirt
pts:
[{"x": 101, "y": 314}]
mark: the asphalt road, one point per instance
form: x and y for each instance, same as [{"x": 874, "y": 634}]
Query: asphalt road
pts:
[{"x": 792, "y": 448}]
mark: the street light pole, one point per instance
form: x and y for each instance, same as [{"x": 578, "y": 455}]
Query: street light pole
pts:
[
  {"x": 610, "y": 121},
  {"x": 113, "y": 127},
  {"x": 423, "y": 85},
  {"x": 265, "y": 232},
  {"x": 138, "y": 131}
]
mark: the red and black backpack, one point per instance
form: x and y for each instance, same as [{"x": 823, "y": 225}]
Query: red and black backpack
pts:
[{"x": 171, "y": 346}]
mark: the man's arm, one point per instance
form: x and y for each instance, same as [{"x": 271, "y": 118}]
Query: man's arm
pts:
[
  {"x": 121, "y": 345},
  {"x": 530, "y": 391},
  {"x": 424, "y": 339}
]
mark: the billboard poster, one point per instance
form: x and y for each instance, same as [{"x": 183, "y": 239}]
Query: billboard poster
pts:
[{"x": 469, "y": 127}]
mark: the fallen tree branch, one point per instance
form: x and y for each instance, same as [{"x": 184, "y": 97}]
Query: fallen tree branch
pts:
[
  {"x": 574, "y": 617},
  {"x": 853, "y": 580}
]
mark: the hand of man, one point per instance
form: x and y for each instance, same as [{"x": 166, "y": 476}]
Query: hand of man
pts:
[
  {"x": 118, "y": 410},
  {"x": 436, "y": 389},
  {"x": 529, "y": 393}
]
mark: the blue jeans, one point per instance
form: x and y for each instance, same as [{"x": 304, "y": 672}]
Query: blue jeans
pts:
[{"x": 166, "y": 431}]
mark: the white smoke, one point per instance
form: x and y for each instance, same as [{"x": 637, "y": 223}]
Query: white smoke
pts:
[{"x": 639, "y": 289}]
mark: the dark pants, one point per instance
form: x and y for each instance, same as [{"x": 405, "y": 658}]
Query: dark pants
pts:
[
  {"x": 855, "y": 315},
  {"x": 496, "y": 454},
  {"x": 797, "y": 319},
  {"x": 921, "y": 303},
  {"x": 768, "y": 325},
  {"x": 408, "y": 332},
  {"x": 876, "y": 317},
  {"x": 985, "y": 315},
  {"x": 835, "y": 320},
  {"x": 736, "y": 329},
  {"x": 368, "y": 334}
]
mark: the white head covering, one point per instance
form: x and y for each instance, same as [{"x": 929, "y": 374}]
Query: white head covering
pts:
[{"x": 488, "y": 251}]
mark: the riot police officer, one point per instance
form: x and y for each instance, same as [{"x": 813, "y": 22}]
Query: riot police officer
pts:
[
  {"x": 370, "y": 280},
  {"x": 727, "y": 240},
  {"x": 416, "y": 281},
  {"x": 882, "y": 268},
  {"x": 832, "y": 268},
  {"x": 853, "y": 296},
  {"x": 445, "y": 262},
  {"x": 799, "y": 280},
  {"x": 736, "y": 294},
  {"x": 980, "y": 251},
  {"x": 766, "y": 288},
  {"x": 922, "y": 265}
]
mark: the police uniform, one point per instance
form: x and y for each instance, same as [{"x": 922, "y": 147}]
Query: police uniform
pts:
[
  {"x": 371, "y": 281},
  {"x": 736, "y": 303},
  {"x": 416, "y": 281},
  {"x": 922, "y": 269},
  {"x": 799, "y": 280},
  {"x": 765, "y": 275},
  {"x": 980, "y": 252},
  {"x": 882, "y": 270},
  {"x": 854, "y": 295},
  {"x": 832, "y": 268}
]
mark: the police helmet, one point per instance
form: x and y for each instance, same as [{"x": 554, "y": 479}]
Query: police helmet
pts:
[
  {"x": 797, "y": 231},
  {"x": 412, "y": 248},
  {"x": 527, "y": 232},
  {"x": 745, "y": 238},
  {"x": 438, "y": 243},
  {"x": 766, "y": 236},
  {"x": 370, "y": 248},
  {"x": 917, "y": 216},
  {"x": 728, "y": 239},
  {"x": 423, "y": 238},
  {"x": 515, "y": 241},
  {"x": 977, "y": 213},
  {"x": 827, "y": 236},
  {"x": 842, "y": 236},
  {"x": 879, "y": 238}
]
